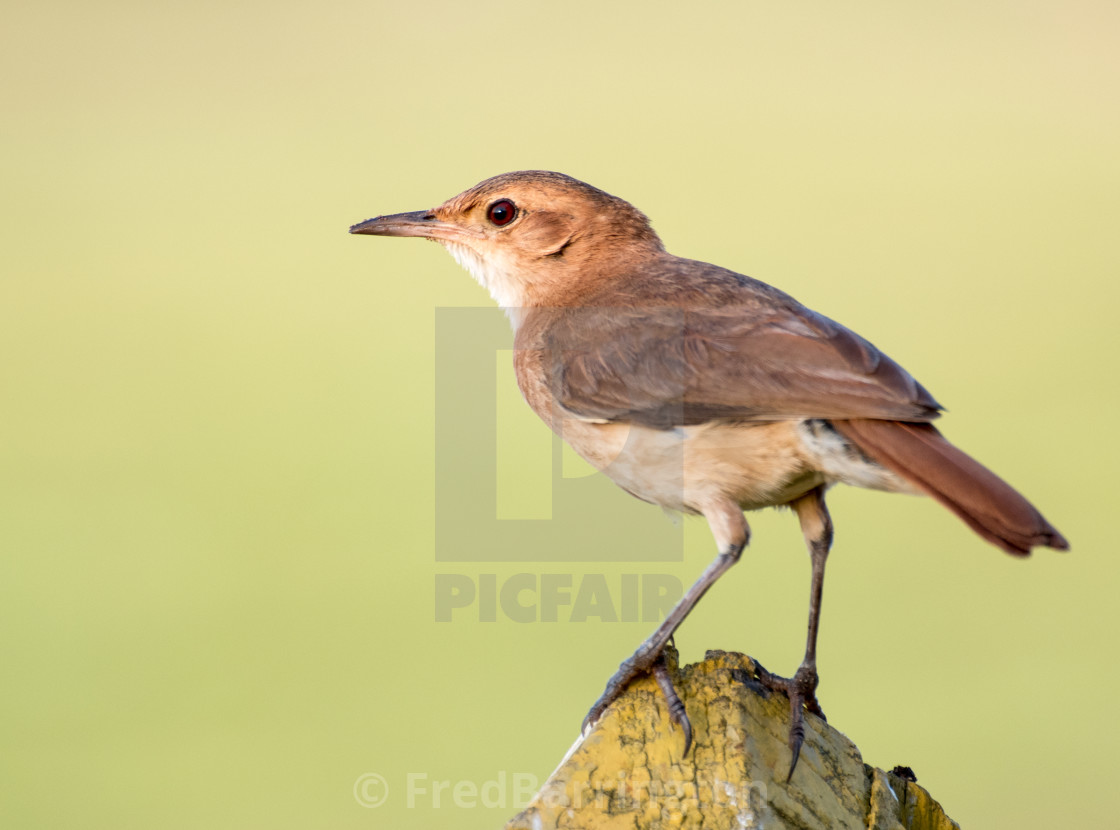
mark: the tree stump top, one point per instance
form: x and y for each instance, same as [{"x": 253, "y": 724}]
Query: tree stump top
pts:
[{"x": 628, "y": 773}]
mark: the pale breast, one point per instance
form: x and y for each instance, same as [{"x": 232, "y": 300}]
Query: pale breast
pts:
[
  {"x": 687, "y": 468},
  {"x": 691, "y": 468}
]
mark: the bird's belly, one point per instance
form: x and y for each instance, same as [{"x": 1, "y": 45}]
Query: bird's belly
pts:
[{"x": 688, "y": 468}]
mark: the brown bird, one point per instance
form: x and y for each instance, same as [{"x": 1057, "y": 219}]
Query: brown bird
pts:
[{"x": 702, "y": 390}]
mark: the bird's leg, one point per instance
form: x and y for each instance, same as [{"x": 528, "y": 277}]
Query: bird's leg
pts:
[
  {"x": 730, "y": 530},
  {"x": 801, "y": 688}
]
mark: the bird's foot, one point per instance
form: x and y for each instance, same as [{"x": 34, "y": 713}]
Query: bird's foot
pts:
[
  {"x": 646, "y": 660},
  {"x": 801, "y": 691}
]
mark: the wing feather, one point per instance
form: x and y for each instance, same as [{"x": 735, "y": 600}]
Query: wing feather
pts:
[{"x": 724, "y": 347}]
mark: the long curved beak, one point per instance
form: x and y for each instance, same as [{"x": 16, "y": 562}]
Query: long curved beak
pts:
[{"x": 417, "y": 223}]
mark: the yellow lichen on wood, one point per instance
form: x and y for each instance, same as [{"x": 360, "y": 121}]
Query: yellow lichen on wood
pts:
[{"x": 629, "y": 773}]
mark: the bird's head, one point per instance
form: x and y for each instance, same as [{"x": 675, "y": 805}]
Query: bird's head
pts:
[{"x": 530, "y": 237}]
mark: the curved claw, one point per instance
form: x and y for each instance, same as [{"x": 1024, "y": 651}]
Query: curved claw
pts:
[
  {"x": 801, "y": 691},
  {"x": 615, "y": 686},
  {"x": 677, "y": 713},
  {"x": 591, "y": 718},
  {"x": 642, "y": 662},
  {"x": 796, "y": 732}
]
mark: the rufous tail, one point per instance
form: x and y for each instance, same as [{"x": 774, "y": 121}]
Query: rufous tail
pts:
[{"x": 986, "y": 503}]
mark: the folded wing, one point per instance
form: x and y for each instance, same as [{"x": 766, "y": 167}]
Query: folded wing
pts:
[{"x": 664, "y": 366}]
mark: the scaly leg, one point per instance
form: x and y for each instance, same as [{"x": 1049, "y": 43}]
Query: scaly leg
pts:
[
  {"x": 816, "y": 525},
  {"x": 731, "y": 532}
]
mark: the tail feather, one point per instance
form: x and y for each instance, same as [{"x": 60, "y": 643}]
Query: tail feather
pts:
[{"x": 986, "y": 503}]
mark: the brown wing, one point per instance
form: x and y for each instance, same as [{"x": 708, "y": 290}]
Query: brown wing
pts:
[{"x": 755, "y": 354}]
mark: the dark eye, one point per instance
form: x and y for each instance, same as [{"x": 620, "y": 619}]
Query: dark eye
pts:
[{"x": 501, "y": 213}]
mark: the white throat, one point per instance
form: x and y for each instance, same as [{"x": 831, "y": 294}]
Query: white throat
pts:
[{"x": 495, "y": 276}]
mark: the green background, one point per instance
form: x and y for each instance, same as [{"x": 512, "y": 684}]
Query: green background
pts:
[{"x": 216, "y": 425}]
